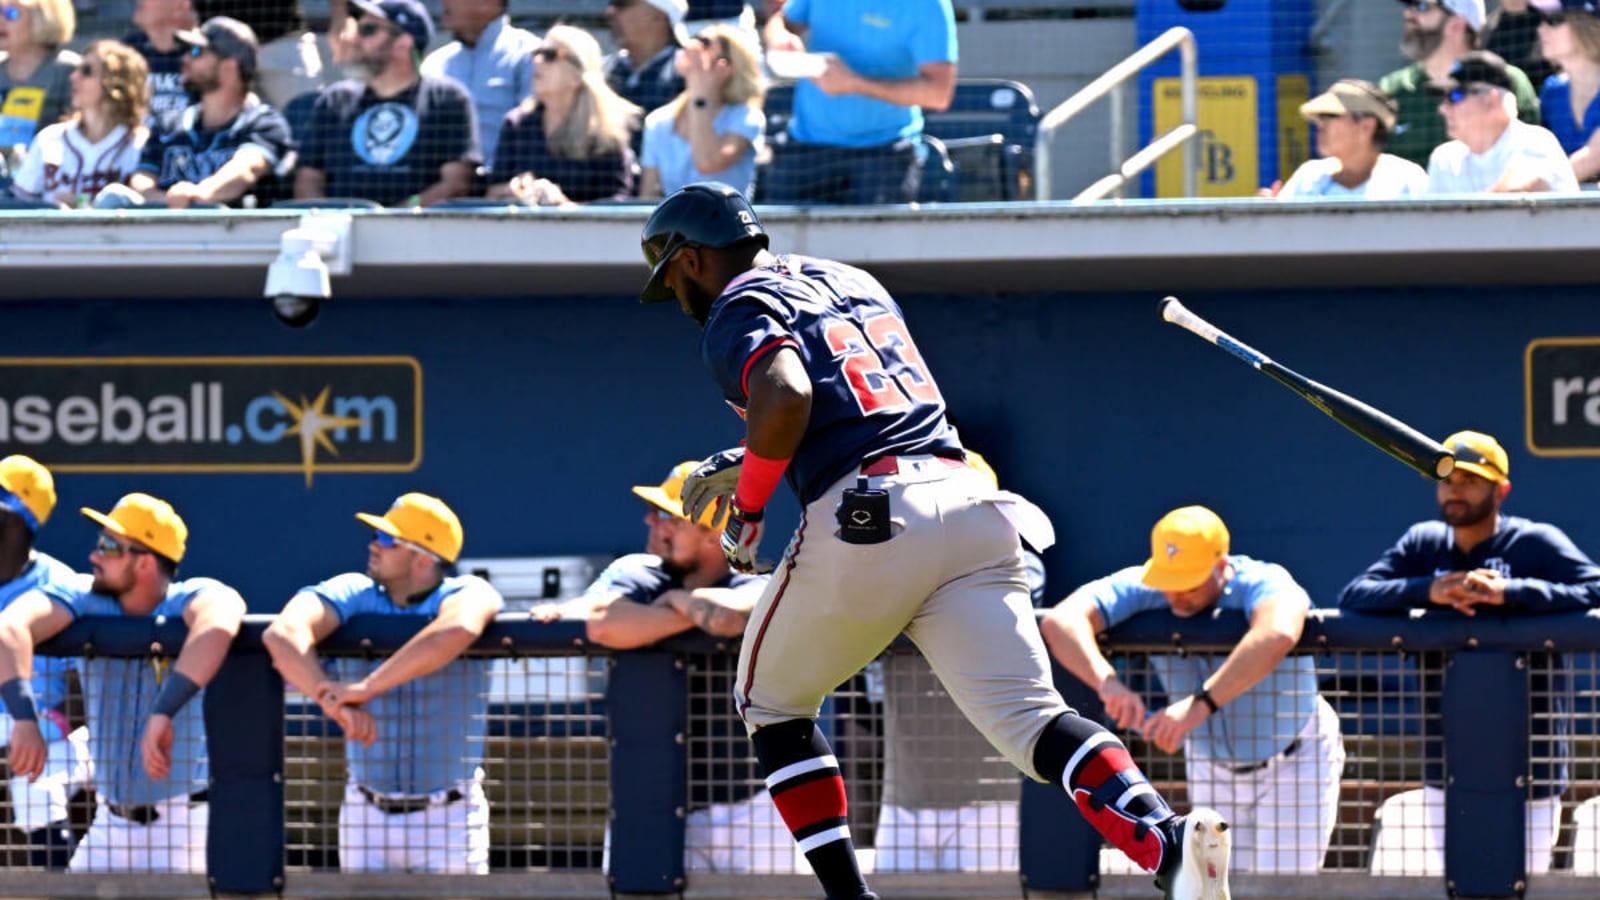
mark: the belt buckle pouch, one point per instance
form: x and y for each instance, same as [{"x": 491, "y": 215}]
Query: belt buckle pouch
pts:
[{"x": 863, "y": 515}]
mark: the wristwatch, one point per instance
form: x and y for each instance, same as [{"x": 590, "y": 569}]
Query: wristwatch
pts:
[{"x": 1204, "y": 696}]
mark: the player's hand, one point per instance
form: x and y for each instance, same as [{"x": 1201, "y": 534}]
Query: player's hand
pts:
[
  {"x": 1449, "y": 590},
  {"x": 182, "y": 195},
  {"x": 1484, "y": 587},
  {"x": 28, "y": 751},
  {"x": 358, "y": 725},
  {"x": 1167, "y": 728},
  {"x": 545, "y": 612},
  {"x": 1122, "y": 703},
  {"x": 741, "y": 538},
  {"x": 156, "y": 747},
  {"x": 353, "y": 693},
  {"x": 714, "y": 479}
]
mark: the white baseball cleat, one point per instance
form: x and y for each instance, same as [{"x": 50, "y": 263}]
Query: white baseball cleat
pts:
[{"x": 1199, "y": 867}]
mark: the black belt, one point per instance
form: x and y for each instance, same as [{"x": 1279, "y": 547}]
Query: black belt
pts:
[
  {"x": 1258, "y": 766},
  {"x": 144, "y": 814},
  {"x": 399, "y": 806}
]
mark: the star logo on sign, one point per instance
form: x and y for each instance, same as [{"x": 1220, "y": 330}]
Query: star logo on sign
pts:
[{"x": 312, "y": 423}]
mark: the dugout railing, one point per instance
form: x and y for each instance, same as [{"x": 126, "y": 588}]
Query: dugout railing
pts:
[{"x": 603, "y": 742}]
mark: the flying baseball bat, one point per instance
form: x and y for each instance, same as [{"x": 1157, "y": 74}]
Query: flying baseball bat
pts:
[{"x": 1379, "y": 429}]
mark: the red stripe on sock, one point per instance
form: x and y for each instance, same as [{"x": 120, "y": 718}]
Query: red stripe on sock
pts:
[{"x": 812, "y": 802}]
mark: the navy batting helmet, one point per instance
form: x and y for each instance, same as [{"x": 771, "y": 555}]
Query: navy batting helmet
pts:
[{"x": 704, "y": 214}]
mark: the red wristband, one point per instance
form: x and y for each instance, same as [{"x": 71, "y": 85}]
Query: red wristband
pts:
[{"x": 758, "y": 478}]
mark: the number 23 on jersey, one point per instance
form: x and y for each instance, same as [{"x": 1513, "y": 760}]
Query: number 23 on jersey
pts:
[{"x": 882, "y": 365}]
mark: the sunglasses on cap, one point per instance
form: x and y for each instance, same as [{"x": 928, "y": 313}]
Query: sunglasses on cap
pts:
[
  {"x": 1456, "y": 95},
  {"x": 108, "y": 546},
  {"x": 11, "y": 13},
  {"x": 659, "y": 513},
  {"x": 1464, "y": 452}
]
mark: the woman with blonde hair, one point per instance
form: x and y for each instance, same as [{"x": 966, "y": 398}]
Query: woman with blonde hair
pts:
[
  {"x": 72, "y": 161},
  {"x": 569, "y": 142},
  {"x": 35, "y": 71},
  {"x": 715, "y": 128},
  {"x": 1569, "y": 37}
]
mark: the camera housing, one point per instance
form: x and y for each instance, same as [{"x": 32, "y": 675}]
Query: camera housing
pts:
[{"x": 298, "y": 281}]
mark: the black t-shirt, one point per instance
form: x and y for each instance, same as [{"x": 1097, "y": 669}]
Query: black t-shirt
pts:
[
  {"x": 523, "y": 148},
  {"x": 715, "y": 9},
  {"x": 168, "y": 99},
  {"x": 389, "y": 149},
  {"x": 190, "y": 152},
  {"x": 1515, "y": 37}
]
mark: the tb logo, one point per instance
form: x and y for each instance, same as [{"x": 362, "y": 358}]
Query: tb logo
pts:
[{"x": 1216, "y": 159}]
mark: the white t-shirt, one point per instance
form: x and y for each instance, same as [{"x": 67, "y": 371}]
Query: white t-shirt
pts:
[
  {"x": 1392, "y": 178},
  {"x": 1534, "y": 151},
  {"x": 62, "y": 161}
]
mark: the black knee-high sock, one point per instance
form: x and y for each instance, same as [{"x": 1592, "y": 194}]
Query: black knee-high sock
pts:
[
  {"x": 1097, "y": 770},
  {"x": 805, "y": 783},
  {"x": 50, "y": 847}
]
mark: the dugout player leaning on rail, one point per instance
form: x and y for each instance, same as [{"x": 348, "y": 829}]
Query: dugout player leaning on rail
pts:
[
  {"x": 897, "y": 534},
  {"x": 1260, "y": 744},
  {"x": 414, "y": 721},
  {"x": 682, "y": 582},
  {"x": 39, "y": 804},
  {"x": 1473, "y": 559},
  {"x": 151, "y": 767}
]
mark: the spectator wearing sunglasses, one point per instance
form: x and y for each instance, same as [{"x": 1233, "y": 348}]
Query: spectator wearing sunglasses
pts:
[
  {"x": 490, "y": 56},
  {"x": 1477, "y": 559},
  {"x": 682, "y": 583},
  {"x": 1512, "y": 33},
  {"x": 155, "y": 35},
  {"x": 39, "y": 805},
  {"x": 715, "y": 128},
  {"x": 71, "y": 162},
  {"x": 569, "y": 142},
  {"x": 149, "y": 743},
  {"x": 1354, "y": 119},
  {"x": 391, "y": 134},
  {"x": 414, "y": 721},
  {"x": 35, "y": 70},
  {"x": 227, "y": 145},
  {"x": 1569, "y": 36},
  {"x": 1490, "y": 151},
  {"x": 1438, "y": 33}
]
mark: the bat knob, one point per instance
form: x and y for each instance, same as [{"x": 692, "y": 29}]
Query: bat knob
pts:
[{"x": 1444, "y": 466}]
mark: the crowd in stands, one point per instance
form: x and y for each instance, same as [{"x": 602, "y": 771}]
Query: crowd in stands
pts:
[{"x": 256, "y": 107}]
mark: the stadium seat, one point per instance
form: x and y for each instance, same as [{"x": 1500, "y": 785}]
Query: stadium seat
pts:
[
  {"x": 939, "y": 176},
  {"x": 982, "y": 110}
]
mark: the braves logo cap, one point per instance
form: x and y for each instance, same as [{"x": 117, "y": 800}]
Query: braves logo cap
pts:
[
  {"x": 668, "y": 496},
  {"x": 422, "y": 520},
  {"x": 151, "y": 522},
  {"x": 1184, "y": 549},
  {"x": 1479, "y": 454},
  {"x": 27, "y": 489}
]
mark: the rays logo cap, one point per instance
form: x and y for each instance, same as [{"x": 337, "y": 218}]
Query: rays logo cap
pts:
[
  {"x": 27, "y": 489},
  {"x": 1184, "y": 548},
  {"x": 422, "y": 520},
  {"x": 409, "y": 16},
  {"x": 1479, "y": 454},
  {"x": 151, "y": 522},
  {"x": 668, "y": 496}
]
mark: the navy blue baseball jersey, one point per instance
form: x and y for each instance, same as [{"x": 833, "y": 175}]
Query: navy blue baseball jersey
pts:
[
  {"x": 872, "y": 394},
  {"x": 191, "y": 152}
]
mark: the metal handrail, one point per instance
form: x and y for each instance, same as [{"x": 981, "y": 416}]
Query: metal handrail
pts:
[{"x": 1111, "y": 83}]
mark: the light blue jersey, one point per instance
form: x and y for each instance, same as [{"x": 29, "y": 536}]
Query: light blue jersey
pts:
[
  {"x": 1259, "y": 723},
  {"x": 120, "y": 694},
  {"x": 885, "y": 39},
  {"x": 49, "y": 672},
  {"x": 431, "y": 729}
]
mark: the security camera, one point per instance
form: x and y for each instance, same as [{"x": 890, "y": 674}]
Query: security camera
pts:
[{"x": 297, "y": 281}]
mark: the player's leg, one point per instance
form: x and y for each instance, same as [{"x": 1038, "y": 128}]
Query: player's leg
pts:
[
  {"x": 361, "y": 838},
  {"x": 93, "y": 853},
  {"x": 191, "y": 824},
  {"x": 1544, "y": 822},
  {"x": 1299, "y": 802},
  {"x": 1236, "y": 798},
  {"x": 829, "y": 610},
  {"x": 39, "y": 810},
  {"x": 978, "y": 634}
]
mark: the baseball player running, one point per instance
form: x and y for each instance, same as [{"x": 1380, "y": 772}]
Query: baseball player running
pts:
[
  {"x": 897, "y": 534},
  {"x": 415, "y": 721}
]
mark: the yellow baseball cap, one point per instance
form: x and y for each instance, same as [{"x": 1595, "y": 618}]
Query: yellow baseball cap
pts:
[
  {"x": 1479, "y": 454},
  {"x": 149, "y": 521},
  {"x": 27, "y": 489},
  {"x": 668, "y": 496},
  {"x": 1184, "y": 548},
  {"x": 421, "y": 520}
]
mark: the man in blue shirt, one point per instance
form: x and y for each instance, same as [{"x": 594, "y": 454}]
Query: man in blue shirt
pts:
[
  {"x": 855, "y": 133},
  {"x": 680, "y": 583},
  {"x": 39, "y": 805},
  {"x": 1474, "y": 559},
  {"x": 1260, "y": 745},
  {"x": 149, "y": 745},
  {"x": 491, "y": 58},
  {"x": 415, "y": 721}
]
